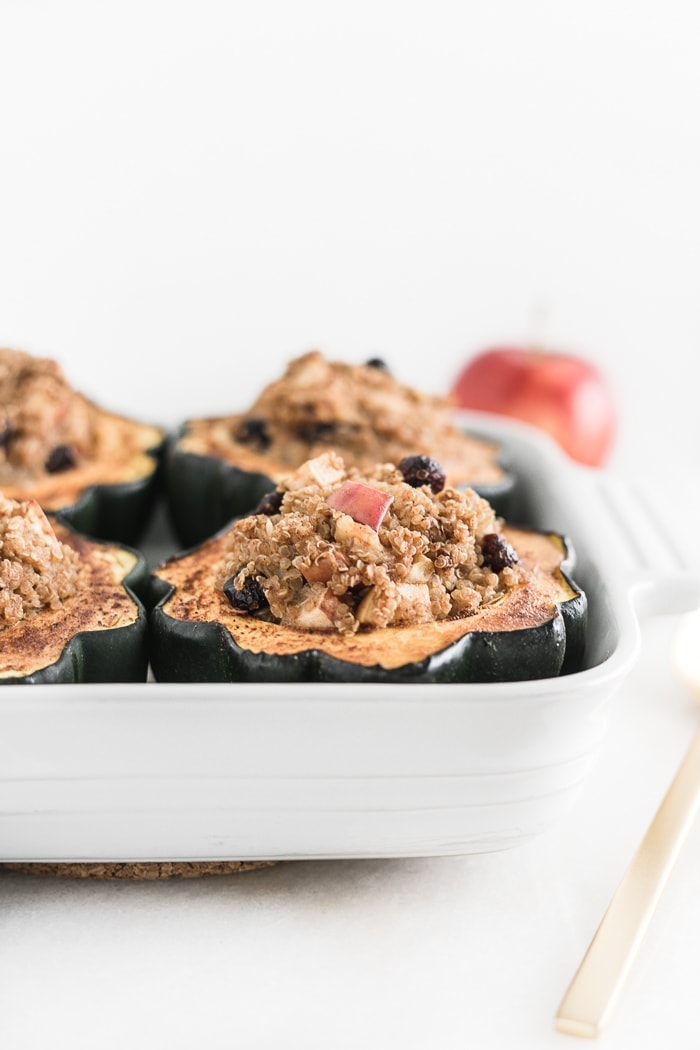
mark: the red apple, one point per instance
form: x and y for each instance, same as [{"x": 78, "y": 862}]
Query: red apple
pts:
[{"x": 563, "y": 394}]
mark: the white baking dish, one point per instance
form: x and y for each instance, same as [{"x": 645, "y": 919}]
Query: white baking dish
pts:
[{"x": 155, "y": 771}]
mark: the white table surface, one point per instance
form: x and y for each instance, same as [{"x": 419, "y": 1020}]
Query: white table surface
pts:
[{"x": 454, "y": 952}]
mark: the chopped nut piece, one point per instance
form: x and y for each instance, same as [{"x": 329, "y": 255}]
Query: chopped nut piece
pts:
[{"x": 361, "y": 538}]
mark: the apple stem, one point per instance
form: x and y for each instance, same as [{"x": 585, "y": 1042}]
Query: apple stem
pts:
[{"x": 539, "y": 322}]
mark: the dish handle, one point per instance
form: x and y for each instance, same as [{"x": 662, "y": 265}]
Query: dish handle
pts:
[{"x": 650, "y": 552}]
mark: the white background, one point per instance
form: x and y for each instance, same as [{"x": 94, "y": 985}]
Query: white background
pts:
[{"x": 192, "y": 193}]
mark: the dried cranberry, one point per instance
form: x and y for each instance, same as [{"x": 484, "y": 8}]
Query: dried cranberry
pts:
[
  {"x": 59, "y": 459},
  {"x": 497, "y": 552},
  {"x": 248, "y": 598},
  {"x": 253, "y": 431},
  {"x": 421, "y": 470},
  {"x": 318, "y": 431},
  {"x": 377, "y": 362},
  {"x": 7, "y": 432},
  {"x": 269, "y": 504}
]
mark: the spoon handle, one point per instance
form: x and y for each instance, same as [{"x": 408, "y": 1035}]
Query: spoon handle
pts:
[{"x": 593, "y": 992}]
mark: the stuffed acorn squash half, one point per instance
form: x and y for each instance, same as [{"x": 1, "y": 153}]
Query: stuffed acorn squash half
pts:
[
  {"x": 220, "y": 467},
  {"x": 69, "y": 610},
  {"x": 99, "y": 470},
  {"x": 387, "y": 575}
]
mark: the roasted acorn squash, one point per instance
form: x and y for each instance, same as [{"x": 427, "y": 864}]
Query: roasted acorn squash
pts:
[
  {"x": 110, "y": 496},
  {"x": 537, "y": 630},
  {"x": 219, "y": 467},
  {"x": 204, "y": 491},
  {"x": 98, "y": 469},
  {"x": 100, "y": 632}
]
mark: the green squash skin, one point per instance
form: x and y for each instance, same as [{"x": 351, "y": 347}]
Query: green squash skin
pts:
[
  {"x": 119, "y": 655},
  {"x": 206, "y": 652},
  {"x": 119, "y": 512},
  {"x": 574, "y": 611},
  {"x": 138, "y": 581},
  {"x": 204, "y": 493},
  {"x": 187, "y": 652},
  {"x": 500, "y": 495},
  {"x": 116, "y": 655}
]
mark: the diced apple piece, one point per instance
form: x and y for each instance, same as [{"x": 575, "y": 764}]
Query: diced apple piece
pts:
[
  {"x": 421, "y": 570},
  {"x": 347, "y": 530},
  {"x": 311, "y": 614},
  {"x": 311, "y": 370},
  {"x": 414, "y": 603},
  {"x": 313, "y": 619},
  {"x": 38, "y": 523},
  {"x": 363, "y": 503},
  {"x": 366, "y": 611},
  {"x": 321, "y": 570},
  {"x": 323, "y": 470}
]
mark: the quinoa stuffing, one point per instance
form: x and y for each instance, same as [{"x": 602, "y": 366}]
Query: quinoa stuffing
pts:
[
  {"x": 46, "y": 427},
  {"x": 338, "y": 548},
  {"x": 360, "y": 411},
  {"x": 37, "y": 571}
]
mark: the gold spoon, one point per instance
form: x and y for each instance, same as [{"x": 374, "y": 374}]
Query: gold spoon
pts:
[{"x": 592, "y": 994}]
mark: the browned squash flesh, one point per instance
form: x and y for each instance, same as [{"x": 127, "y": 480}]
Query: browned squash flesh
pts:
[
  {"x": 99, "y": 603},
  {"x": 196, "y": 600},
  {"x": 121, "y": 453},
  {"x": 475, "y": 461}
]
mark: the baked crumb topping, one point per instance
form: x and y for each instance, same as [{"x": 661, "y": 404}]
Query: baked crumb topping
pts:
[
  {"x": 338, "y": 548},
  {"x": 36, "y": 570},
  {"x": 46, "y": 427},
  {"x": 360, "y": 411}
]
